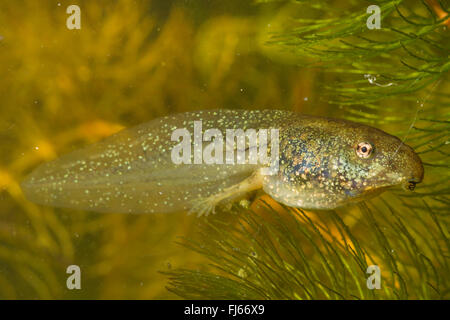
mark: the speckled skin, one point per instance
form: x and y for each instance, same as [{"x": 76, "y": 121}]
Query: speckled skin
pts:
[
  {"x": 320, "y": 169},
  {"x": 132, "y": 171}
]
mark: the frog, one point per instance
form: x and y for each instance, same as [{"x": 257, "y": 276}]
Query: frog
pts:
[{"x": 322, "y": 163}]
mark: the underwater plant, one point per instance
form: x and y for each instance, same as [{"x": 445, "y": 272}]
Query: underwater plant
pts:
[
  {"x": 66, "y": 88},
  {"x": 395, "y": 77}
]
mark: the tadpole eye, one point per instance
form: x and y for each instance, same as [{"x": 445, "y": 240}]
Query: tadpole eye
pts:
[{"x": 364, "y": 149}]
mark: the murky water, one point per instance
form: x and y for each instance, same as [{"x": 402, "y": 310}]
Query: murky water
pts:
[{"x": 72, "y": 76}]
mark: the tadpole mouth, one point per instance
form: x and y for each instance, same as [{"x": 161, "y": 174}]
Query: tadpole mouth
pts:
[{"x": 412, "y": 185}]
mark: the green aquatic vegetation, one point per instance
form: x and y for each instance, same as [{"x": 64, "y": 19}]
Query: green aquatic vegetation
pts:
[
  {"x": 293, "y": 254},
  {"x": 396, "y": 78},
  {"x": 364, "y": 67},
  {"x": 64, "y": 89}
]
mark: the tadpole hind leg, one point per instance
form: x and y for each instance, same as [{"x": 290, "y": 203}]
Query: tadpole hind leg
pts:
[{"x": 204, "y": 206}]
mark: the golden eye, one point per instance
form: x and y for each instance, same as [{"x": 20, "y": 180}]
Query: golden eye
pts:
[{"x": 364, "y": 149}]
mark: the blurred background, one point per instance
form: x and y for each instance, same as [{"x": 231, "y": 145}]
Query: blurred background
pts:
[{"x": 133, "y": 61}]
